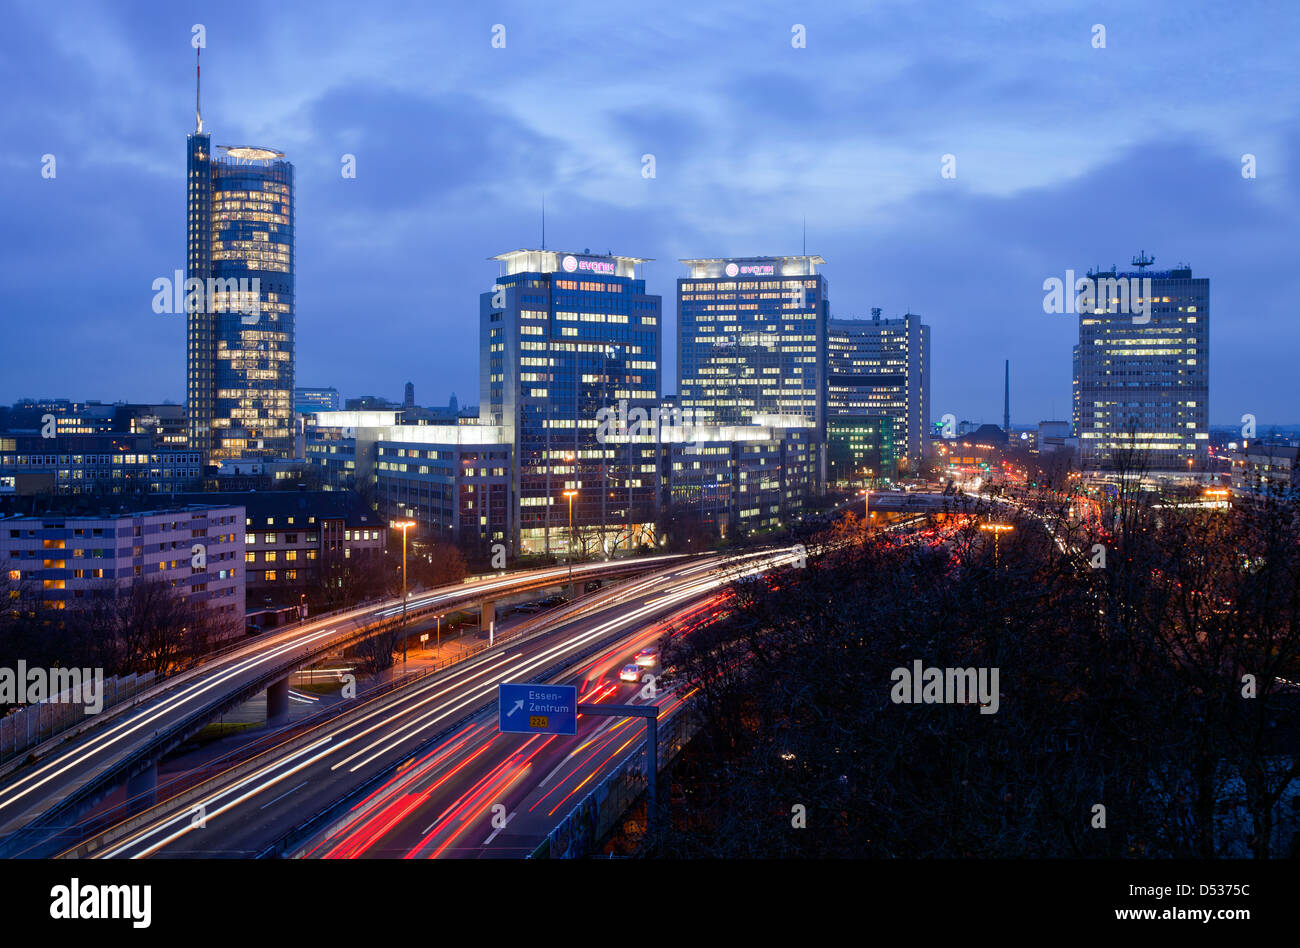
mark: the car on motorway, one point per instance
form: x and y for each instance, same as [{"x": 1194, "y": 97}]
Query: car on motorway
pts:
[
  {"x": 630, "y": 673},
  {"x": 550, "y": 602},
  {"x": 647, "y": 657},
  {"x": 527, "y": 608},
  {"x": 592, "y": 585}
]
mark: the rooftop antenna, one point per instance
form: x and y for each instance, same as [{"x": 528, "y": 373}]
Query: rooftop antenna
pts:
[
  {"x": 805, "y": 236},
  {"x": 1142, "y": 260},
  {"x": 198, "y": 76},
  {"x": 543, "y": 220}
]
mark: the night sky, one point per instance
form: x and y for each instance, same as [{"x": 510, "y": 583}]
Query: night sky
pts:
[{"x": 1067, "y": 156}]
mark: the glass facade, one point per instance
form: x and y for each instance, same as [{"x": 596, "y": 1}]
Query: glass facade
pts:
[
  {"x": 861, "y": 448},
  {"x": 752, "y": 339},
  {"x": 1144, "y": 386},
  {"x": 563, "y": 337},
  {"x": 239, "y": 302},
  {"x": 881, "y": 367}
]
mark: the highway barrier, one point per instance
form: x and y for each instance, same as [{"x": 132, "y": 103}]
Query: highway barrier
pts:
[{"x": 592, "y": 818}]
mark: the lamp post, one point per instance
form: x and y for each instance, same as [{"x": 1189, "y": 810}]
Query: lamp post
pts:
[
  {"x": 403, "y": 525},
  {"x": 570, "y": 494},
  {"x": 997, "y": 529}
]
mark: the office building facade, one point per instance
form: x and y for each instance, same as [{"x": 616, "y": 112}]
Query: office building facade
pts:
[
  {"x": 67, "y": 560},
  {"x": 1266, "y": 468},
  {"x": 722, "y": 481},
  {"x": 881, "y": 368},
  {"x": 861, "y": 449},
  {"x": 453, "y": 480},
  {"x": 295, "y": 541},
  {"x": 239, "y": 301},
  {"x": 1141, "y": 379},
  {"x": 751, "y": 337},
  {"x": 563, "y": 337},
  {"x": 94, "y": 464}
]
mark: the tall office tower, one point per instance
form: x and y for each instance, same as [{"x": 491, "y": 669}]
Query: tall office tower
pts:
[
  {"x": 1142, "y": 379},
  {"x": 751, "y": 340},
  {"x": 881, "y": 368},
  {"x": 561, "y": 337},
  {"x": 240, "y": 315}
]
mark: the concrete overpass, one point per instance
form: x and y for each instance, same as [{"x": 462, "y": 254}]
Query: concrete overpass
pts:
[{"x": 69, "y": 773}]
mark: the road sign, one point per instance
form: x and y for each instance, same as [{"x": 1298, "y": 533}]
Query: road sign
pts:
[{"x": 537, "y": 709}]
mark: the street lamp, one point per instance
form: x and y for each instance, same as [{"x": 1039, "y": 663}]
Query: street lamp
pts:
[
  {"x": 866, "y": 506},
  {"x": 997, "y": 529},
  {"x": 571, "y": 494},
  {"x": 403, "y": 525}
]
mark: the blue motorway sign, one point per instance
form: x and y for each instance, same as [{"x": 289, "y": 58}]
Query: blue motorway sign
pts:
[{"x": 537, "y": 709}]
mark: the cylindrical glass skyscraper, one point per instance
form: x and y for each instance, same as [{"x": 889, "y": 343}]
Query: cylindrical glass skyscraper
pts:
[{"x": 240, "y": 302}]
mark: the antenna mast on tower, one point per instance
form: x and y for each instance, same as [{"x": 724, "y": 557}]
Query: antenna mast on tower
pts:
[
  {"x": 1142, "y": 260},
  {"x": 198, "y": 76}
]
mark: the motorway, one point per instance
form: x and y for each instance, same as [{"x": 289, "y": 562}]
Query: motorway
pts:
[
  {"x": 426, "y": 763},
  {"x": 79, "y": 767}
]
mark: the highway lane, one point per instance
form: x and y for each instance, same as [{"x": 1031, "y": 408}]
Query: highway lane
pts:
[
  {"x": 239, "y": 814},
  {"x": 483, "y": 794},
  {"x": 86, "y": 759}
]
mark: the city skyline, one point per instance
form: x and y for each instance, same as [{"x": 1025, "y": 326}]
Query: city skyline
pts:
[
  {"x": 404, "y": 244},
  {"x": 763, "y": 432}
]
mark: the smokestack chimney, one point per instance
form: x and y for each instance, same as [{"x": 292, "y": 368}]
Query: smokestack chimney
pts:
[{"x": 1006, "y": 400}]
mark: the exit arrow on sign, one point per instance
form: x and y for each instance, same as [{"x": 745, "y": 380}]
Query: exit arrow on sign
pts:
[{"x": 518, "y": 705}]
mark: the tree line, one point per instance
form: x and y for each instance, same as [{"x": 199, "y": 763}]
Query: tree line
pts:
[{"x": 1145, "y": 711}]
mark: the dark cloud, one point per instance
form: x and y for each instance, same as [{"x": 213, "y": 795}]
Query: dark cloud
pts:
[{"x": 1068, "y": 157}]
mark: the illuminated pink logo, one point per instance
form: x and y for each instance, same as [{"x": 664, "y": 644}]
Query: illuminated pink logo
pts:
[
  {"x": 732, "y": 269},
  {"x": 761, "y": 269},
  {"x": 570, "y": 263}
]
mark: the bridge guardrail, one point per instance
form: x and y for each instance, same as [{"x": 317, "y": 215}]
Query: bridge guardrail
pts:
[{"x": 180, "y": 676}]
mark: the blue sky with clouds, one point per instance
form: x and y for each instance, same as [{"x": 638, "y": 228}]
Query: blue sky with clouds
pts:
[{"x": 1067, "y": 156}]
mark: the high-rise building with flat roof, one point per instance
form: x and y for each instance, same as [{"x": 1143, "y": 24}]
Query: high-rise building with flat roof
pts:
[
  {"x": 562, "y": 337},
  {"x": 240, "y": 312},
  {"x": 1142, "y": 376},
  {"x": 751, "y": 339},
  {"x": 881, "y": 368}
]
